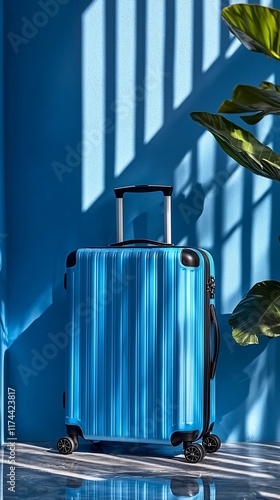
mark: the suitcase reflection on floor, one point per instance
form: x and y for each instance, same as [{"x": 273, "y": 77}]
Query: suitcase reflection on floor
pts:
[{"x": 140, "y": 488}]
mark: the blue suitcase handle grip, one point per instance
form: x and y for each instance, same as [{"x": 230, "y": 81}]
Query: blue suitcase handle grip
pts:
[
  {"x": 144, "y": 188},
  {"x": 217, "y": 344},
  {"x": 147, "y": 242}
]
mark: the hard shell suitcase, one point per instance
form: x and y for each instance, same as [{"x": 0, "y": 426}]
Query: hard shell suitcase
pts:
[{"x": 144, "y": 342}]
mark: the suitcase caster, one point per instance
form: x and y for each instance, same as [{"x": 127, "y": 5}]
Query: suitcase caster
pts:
[
  {"x": 66, "y": 445},
  {"x": 211, "y": 443},
  {"x": 194, "y": 453}
]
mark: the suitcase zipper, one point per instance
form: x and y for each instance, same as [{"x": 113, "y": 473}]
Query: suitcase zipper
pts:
[{"x": 210, "y": 291}]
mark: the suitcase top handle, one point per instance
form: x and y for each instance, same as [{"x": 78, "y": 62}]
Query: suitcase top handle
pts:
[
  {"x": 166, "y": 190},
  {"x": 147, "y": 242},
  {"x": 143, "y": 188}
]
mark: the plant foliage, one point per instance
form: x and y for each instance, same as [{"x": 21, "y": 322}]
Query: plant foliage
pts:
[
  {"x": 258, "y": 313},
  {"x": 255, "y": 26},
  {"x": 241, "y": 145},
  {"x": 264, "y": 100}
]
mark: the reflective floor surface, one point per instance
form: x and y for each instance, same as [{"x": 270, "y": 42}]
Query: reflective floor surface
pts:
[{"x": 139, "y": 472}]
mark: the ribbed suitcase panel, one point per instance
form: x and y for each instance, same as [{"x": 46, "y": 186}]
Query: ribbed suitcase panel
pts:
[{"x": 136, "y": 367}]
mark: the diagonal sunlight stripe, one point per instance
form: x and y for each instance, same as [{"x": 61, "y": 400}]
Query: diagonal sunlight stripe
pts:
[
  {"x": 232, "y": 194},
  {"x": 261, "y": 188},
  {"x": 260, "y": 264},
  {"x": 154, "y": 81},
  {"x": 93, "y": 103},
  {"x": 269, "y": 495},
  {"x": 231, "y": 272},
  {"x": 233, "y": 46},
  {"x": 211, "y": 33},
  {"x": 125, "y": 84},
  {"x": 266, "y": 445},
  {"x": 266, "y": 3},
  {"x": 56, "y": 471},
  {"x": 206, "y": 156},
  {"x": 234, "y": 462},
  {"x": 182, "y": 175},
  {"x": 183, "y": 50},
  {"x": 231, "y": 472},
  {"x": 251, "y": 458},
  {"x": 84, "y": 456}
]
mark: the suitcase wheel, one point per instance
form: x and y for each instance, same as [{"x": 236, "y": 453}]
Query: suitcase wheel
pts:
[
  {"x": 211, "y": 443},
  {"x": 194, "y": 453},
  {"x": 66, "y": 445}
]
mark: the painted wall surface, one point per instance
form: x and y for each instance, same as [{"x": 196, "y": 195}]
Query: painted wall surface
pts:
[{"x": 98, "y": 94}]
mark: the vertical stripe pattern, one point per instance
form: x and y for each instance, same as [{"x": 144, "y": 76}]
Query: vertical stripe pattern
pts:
[
  {"x": 140, "y": 488},
  {"x": 136, "y": 368}
]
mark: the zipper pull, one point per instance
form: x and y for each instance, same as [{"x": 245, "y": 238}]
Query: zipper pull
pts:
[{"x": 210, "y": 287}]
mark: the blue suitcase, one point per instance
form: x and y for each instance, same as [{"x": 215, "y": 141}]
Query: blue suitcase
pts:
[{"x": 144, "y": 342}]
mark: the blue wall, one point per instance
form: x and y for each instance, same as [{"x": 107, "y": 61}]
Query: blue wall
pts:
[{"x": 98, "y": 94}]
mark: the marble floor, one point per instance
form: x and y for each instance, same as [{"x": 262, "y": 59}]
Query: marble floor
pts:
[{"x": 138, "y": 472}]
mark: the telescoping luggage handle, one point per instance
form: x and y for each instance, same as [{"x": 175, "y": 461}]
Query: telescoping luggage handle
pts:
[{"x": 167, "y": 192}]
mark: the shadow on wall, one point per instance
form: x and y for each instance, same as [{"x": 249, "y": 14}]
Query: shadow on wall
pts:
[
  {"x": 247, "y": 389},
  {"x": 86, "y": 110}
]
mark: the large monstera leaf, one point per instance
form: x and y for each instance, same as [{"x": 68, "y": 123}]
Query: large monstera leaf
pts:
[
  {"x": 256, "y": 27},
  {"x": 264, "y": 100},
  {"x": 241, "y": 145},
  {"x": 258, "y": 313}
]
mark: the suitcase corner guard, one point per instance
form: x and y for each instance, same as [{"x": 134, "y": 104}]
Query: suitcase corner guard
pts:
[
  {"x": 180, "y": 437},
  {"x": 71, "y": 259}
]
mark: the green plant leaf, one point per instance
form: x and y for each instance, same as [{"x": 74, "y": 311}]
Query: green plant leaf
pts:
[
  {"x": 246, "y": 98},
  {"x": 258, "y": 313},
  {"x": 241, "y": 145},
  {"x": 256, "y": 27}
]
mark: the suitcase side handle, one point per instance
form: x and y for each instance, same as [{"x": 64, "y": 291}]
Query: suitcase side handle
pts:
[
  {"x": 148, "y": 242},
  {"x": 217, "y": 340},
  {"x": 166, "y": 190}
]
